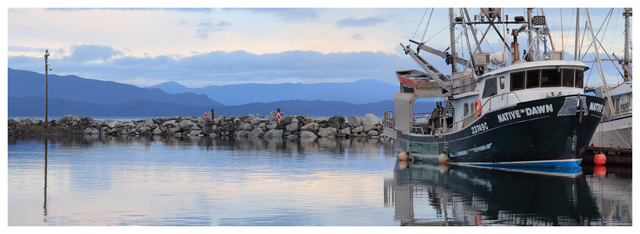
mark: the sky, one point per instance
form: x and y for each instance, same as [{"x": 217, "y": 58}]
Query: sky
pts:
[{"x": 146, "y": 45}]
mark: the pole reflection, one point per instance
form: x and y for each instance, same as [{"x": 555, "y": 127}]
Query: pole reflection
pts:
[{"x": 45, "y": 177}]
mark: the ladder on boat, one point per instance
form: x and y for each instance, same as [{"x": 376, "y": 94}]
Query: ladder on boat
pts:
[{"x": 433, "y": 72}]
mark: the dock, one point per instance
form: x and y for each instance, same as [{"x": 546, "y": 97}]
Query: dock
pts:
[{"x": 617, "y": 156}]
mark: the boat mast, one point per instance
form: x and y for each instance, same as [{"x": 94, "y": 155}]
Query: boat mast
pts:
[
  {"x": 606, "y": 89},
  {"x": 576, "y": 55},
  {"x": 532, "y": 49},
  {"x": 626, "y": 14},
  {"x": 452, "y": 27}
]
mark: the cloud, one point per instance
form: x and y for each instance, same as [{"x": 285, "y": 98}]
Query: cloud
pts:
[
  {"x": 364, "y": 22},
  {"x": 25, "y": 49},
  {"x": 88, "y": 53},
  {"x": 357, "y": 37},
  {"x": 191, "y": 10},
  {"x": 289, "y": 15},
  {"x": 228, "y": 67},
  {"x": 206, "y": 28}
]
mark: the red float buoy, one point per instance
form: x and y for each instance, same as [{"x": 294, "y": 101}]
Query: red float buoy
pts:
[{"x": 599, "y": 158}]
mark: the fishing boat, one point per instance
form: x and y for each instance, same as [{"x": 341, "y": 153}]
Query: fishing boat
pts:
[
  {"x": 530, "y": 112},
  {"x": 615, "y": 130}
]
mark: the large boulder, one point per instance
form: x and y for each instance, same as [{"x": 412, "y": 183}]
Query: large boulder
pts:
[
  {"x": 321, "y": 119},
  {"x": 274, "y": 134},
  {"x": 335, "y": 122},
  {"x": 358, "y": 129},
  {"x": 173, "y": 130},
  {"x": 76, "y": 118},
  {"x": 326, "y": 132},
  {"x": 371, "y": 119},
  {"x": 157, "y": 131},
  {"x": 207, "y": 129},
  {"x": 245, "y": 127},
  {"x": 307, "y": 135},
  {"x": 170, "y": 122},
  {"x": 185, "y": 125},
  {"x": 292, "y": 127},
  {"x": 110, "y": 123},
  {"x": 129, "y": 124},
  {"x": 256, "y": 133},
  {"x": 310, "y": 127},
  {"x": 257, "y": 120},
  {"x": 367, "y": 128},
  {"x": 150, "y": 123},
  {"x": 26, "y": 121},
  {"x": 354, "y": 121},
  {"x": 346, "y": 131},
  {"x": 66, "y": 118}
]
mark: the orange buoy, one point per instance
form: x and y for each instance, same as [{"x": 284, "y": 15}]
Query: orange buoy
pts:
[
  {"x": 403, "y": 156},
  {"x": 443, "y": 168},
  {"x": 599, "y": 159},
  {"x": 443, "y": 158},
  {"x": 600, "y": 171},
  {"x": 403, "y": 164}
]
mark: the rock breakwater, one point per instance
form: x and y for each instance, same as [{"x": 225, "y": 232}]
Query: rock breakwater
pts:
[{"x": 250, "y": 126}]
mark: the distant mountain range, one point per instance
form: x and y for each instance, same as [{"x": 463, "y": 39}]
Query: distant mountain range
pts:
[
  {"x": 34, "y": 107},
  {"x": 73, "y": 88},
  {"x": 89, "y": 97},
  {"x": 359, "y": 92}
]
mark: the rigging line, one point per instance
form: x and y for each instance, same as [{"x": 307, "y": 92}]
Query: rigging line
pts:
[
  {"x": 425, "y": 13},
  {"x": 616, "y": 130},
  {"x": 570, "y": 24},
  {"x": 615, "y": 29},
  {"x": 561, "y": 32},
  {"x": 593, "y": 63},
  {"x": 428, "y": 21},
  {"x": 609, "y": 57},
  {"x": 597, "y": 33},
  {"x": 582, "y": 41},
  {"x": 445, "y": 27}
]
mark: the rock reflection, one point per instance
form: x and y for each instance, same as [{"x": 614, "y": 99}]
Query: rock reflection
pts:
[{"x": 351, "y": 147}]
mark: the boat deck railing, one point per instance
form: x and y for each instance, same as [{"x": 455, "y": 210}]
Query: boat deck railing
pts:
[
  {"x": 389, "y": 120},
  {"x": 466, "y": 121}
]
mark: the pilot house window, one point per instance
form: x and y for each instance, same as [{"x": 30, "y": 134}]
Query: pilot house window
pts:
[
  {"x": 555, "y": 77},
  {"x": 579, "y": 78},
  {"x": 517, "y": 81},
  {"x": 533, "y": 79},
  {"x": 490, "y": 88},
  {"x": 567, "y": 77},
  {"x": 550, "y": 78}
]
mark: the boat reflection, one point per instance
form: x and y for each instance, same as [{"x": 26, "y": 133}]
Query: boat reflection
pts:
[{"x": 444, "y": 195}]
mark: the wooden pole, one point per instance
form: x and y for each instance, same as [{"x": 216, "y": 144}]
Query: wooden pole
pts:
[
  {"x": 213, "y": 118},
  {"x": 46, "y": 89}
]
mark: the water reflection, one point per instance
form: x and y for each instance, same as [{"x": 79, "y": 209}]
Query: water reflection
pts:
[
  {"x": 196, "y": 181},
  {"x": 442, "y": 195},
  {"x": 46, "y": 147}
]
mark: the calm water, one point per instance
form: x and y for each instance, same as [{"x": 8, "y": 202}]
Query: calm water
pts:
[{"x": 203, "y": 181}]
